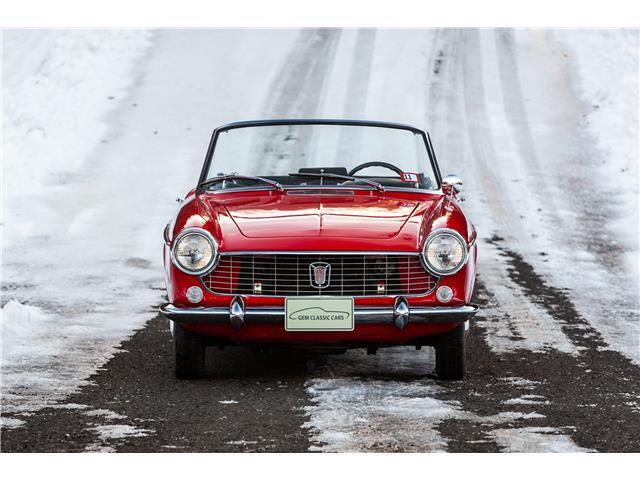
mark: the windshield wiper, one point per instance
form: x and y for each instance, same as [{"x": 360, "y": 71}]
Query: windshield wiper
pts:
[
  {"x": 222, "y": 178},
  {"x": 377, "y": 185}
]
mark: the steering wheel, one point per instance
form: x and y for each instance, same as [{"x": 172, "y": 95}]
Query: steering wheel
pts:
[{"x": 362, "y": 166}]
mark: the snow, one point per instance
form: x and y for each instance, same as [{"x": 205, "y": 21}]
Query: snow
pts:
[
  {"x": 106, "y": 414},
  {"x": 537, "y": 176},
  {"x": 535, "y": 440},
  {"x": 109, "y": 435},
  {"x": 605, "y": 64},
  {"x": 10, "y": 422},
  {"x": 112, "y": 432},
  {"x": 57, "y": 88},
  {"x": 521, "y": 382},
  {"x": 527, "y": 400},
  {"x": 520, "y": 324},
  {"x": 242, "y": 442},
  {"x": 606, "y": 67},
  {"x": 396, "y": 408},
  {"x": 354, "y": 411},
  {"x": 20, "y": 327},
  {"x": 89, "y": 181},
  {"x": 381, "y": 415}
]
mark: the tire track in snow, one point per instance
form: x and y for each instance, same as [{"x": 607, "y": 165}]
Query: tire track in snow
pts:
[
  {"x": 298, "y": 87},
  {"x": 505, "y": 219},
  {"x": 298, "y": 93},
  {"x": 445, "y": 107},
  {"x": 588, "y": 340},
  {"x": 532, "y": 325},
  {"x": 357, "y": 91},
  {"x": 358, "y": 82},
  {"x": 457, "y": 102},
  {"x": 479, "y": 130},
  {"x": 574, "y": 196},
  {"x": 516, "y": 115},
  {"x": 593, "y": 208}
]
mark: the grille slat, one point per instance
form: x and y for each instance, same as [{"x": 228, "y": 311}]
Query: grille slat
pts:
[{"x": 351, "y": 275}]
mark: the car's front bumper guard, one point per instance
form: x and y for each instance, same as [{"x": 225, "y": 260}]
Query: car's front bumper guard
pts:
[{"x": 400, "y": 315}]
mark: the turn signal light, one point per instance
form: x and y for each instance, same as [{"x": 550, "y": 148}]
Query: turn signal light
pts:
[
  {"x": 194, "y": 294},
  {"x": 444, "y": 294}
]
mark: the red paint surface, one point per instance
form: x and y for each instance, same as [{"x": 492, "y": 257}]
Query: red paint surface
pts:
[{"x": 358, "y": 220}]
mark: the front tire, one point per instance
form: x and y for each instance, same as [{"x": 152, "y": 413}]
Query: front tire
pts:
[
  {"x": 189, "y": 348},
  {"x": 451, "y": 354}
]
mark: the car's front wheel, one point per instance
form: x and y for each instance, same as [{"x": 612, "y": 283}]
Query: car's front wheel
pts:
[
  {"x": 451, "y": 355},
  {"x": 190, "y": 348}
]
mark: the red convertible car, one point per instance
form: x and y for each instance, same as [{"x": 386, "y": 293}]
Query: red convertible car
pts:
[{"x": 324, "y": 233}]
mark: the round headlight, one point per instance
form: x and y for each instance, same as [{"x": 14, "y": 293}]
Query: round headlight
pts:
[
  {"x": 194, "y": 251},
  {"x": 445, "y": 252}
]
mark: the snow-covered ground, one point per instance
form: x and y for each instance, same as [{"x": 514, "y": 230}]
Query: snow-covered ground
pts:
[
  {"x": 57, "y": 87},
  {"x": 101, "y": 130},
  {"x": 59, "y": 279},
  {"x": 605, "y": 73},
  {"x": 541, "y": 177}
]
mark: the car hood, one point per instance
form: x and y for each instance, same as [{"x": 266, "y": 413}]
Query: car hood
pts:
[{"x": 326, "y": 215}]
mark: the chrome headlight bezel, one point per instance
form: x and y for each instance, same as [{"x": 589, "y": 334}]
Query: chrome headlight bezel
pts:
[
  {"x": 440, "y": 232},
  {"x": 208, "y": 237}
]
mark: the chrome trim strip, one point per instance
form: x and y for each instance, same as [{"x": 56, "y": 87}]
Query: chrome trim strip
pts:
[{"x": 362, "y": 315}]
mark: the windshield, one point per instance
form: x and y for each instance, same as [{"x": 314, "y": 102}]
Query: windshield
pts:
[{"x": 285, "y": 153}]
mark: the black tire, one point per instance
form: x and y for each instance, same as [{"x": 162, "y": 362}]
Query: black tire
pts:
[
  {"x": 451, "y": 355},
  {"x": 190, "y": 348}
]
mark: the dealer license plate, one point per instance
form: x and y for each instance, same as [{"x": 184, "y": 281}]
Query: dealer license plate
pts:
[{"x": 319, "y": 314}]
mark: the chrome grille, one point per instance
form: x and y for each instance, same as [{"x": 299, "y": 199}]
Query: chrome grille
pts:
[{"x": 288, "y": 275}]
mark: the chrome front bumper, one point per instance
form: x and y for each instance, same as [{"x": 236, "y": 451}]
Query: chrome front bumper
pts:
[{"x": 237, "y": 315}]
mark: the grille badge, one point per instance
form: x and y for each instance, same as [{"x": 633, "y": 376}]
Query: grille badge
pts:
[{"x": 320, "y": 274}]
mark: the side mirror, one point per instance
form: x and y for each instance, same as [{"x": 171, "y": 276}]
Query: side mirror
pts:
[{"x": 451, "y": 184}]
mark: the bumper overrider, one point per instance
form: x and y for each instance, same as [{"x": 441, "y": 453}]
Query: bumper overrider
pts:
[{"x": 237, "y": 314}]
